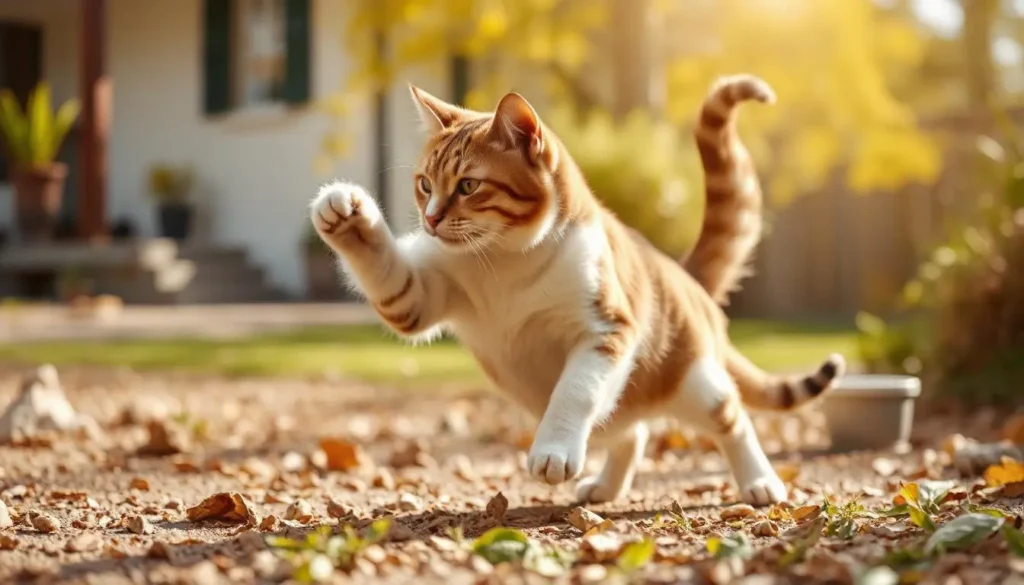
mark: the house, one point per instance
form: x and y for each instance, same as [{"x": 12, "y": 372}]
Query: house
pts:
[{"x": 226, "y": 86}]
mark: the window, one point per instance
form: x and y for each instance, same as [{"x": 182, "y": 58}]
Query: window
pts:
[
  {"x": 256, "y": 53},
  {"x": 259, "y": 53}
]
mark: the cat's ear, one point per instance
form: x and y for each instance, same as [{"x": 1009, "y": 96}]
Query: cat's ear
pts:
[
  {"x": 516, "y": 125},
  {"x": 435, "y": 113}
]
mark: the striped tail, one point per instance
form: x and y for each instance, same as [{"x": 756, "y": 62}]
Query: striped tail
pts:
[
  {"x": 764, "y": 391},
  {"x": 732, "y": 214}
]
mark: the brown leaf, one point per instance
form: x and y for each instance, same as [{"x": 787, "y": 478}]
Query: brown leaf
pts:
[
  {"x": 300, "y": 511},
  {"x": 269, "y": 523},
  {"x": 139, "y": 483},
  {"x": 672, "y": 440},
  {"x": 806, "y": 513},
  {"x": 766, "y": 528},
  {"x": 497, "y": 507},
  {"x": 788, "y": 472},
  {"x": 8, "y": 542},
  {"x": 1013, "y": 490},
  {"x": 336, "y": 509},
  {"x": 738, "y": 511},
  {"x": 583, "y": 519},
  {"x": 342, "y": 455},
  {"x": 165, "y": 438},
  {"x": 605, "y": 525},
  {"x": 43, "y": 522},
  {"x": 226, "y": 506}
]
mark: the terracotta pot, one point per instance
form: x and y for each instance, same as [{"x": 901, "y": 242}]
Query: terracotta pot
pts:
[{"x": 37, "y": 199}]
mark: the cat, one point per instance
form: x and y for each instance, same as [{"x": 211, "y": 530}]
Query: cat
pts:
[{"x": 567, "y": 310}]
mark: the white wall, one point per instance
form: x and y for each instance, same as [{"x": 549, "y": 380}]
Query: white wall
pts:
[{"x": 255, "y": 170}]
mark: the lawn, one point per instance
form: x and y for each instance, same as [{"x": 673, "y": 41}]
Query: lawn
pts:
[{"x": 372, "y": 354}]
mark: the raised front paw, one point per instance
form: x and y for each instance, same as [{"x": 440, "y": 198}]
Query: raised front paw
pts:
[
  {"x": 556, "y": 462},
  {"x": 340, "y": 209}
]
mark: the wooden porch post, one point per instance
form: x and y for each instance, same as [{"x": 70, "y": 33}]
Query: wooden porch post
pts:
[{"x": 95, "y": 96}]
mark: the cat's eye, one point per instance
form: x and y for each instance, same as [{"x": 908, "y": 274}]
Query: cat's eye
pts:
[
  {"x": 467, "y": 186},
  {"x": 425, "y": 185}
]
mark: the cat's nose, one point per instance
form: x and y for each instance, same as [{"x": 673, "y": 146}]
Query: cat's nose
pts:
[{"x": 434, "y": 218}]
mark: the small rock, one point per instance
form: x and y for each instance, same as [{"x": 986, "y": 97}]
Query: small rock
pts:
[
  {"x": 41, "y": 407},
  {"x": 293, "y": 462},
  {"x": 5, "y": 516},
  {"x": 738, "y": 511},
  {"x": 138, "y": 524},
  {"x": 456, "y": 422},
  {"x": 166, "y": 438},
  {"x": 766, "y": 528},
  {"x": 410, "y": 503},
  {"x": 300, "y": 511},
  {"x": 583, "y": 519},
  {"x": 174, "y": 504},
  {"x": 884, "y": 467},
  {"x": 497, "y": 507},
  {"x": 43, "y": 522},
  {"x": 85, "y": 542}
]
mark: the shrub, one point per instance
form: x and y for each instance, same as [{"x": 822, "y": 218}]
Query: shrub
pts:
[
  {"x": 962, "y": 326},
  {"x": 646, "y": 171}
]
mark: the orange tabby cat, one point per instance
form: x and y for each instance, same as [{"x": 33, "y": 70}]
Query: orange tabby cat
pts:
[{"x": 573, "y": 314}]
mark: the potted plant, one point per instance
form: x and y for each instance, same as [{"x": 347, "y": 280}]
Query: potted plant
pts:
[
  {"x": 171, "y": 187},
  {"x": 32, "y": 140}
]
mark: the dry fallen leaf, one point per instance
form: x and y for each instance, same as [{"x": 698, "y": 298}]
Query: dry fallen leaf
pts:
[
  {"x": 410, "y": 502},
  {"x": 138, "y": 524},
  {"x": 1013, "y": 490},
  {"x": 738, "y": 511},
  {"x": 672, "y": 440},
  {"x": 336, "y": 509},
  {"x": 788, "y": 472},
  {"x": 806, "y": 513},
  {"x": 269, "y": 523},
  {"x": 43, "y": 522},
  {"x": 342, "y": 455},
  {"x": 583, "y": 519},
  {"x": 227, "y": 506},
  {"x": 766, "y": 528},
  {"x": 300, "y": 511},
  {"x": 139, "y": 483},
  {"x": 8, "y": 542},
  {"x": 1005, "y": 472},
  {"x": 497, "y": 507}
]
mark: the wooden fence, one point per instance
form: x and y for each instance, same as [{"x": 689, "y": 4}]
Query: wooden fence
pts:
[{"x": 831, "y": 253}]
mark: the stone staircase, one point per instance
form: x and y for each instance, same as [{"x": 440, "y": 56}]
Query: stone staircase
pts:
[{"x": 148, "y": 271}]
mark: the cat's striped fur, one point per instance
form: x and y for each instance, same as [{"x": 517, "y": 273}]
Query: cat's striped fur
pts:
[{"x": 574, "y": 315}]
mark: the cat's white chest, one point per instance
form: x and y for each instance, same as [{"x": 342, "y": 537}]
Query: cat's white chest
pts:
[{"x": 526, "y": 318}]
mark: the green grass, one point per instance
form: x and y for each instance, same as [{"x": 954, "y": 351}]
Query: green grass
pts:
[{"x": 369, "y": 353}]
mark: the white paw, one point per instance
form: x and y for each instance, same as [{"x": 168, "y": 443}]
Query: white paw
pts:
[
  {"x": 763, "y": 491},
  {"x": 341, "y": 207},
  {"x": 556, "y": 462},
  {"x": 596, "y": 489}
]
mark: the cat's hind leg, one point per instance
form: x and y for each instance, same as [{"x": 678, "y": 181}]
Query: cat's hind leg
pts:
[
  {"x": 625, "y": 451},
  {"x": 709, "y": 400}
]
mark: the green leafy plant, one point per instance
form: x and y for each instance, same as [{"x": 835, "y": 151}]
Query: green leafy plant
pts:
[
  {"x": 321, "y": 552},
  {"x": 34, "y": 135},
  {"x": 735, "y": 546},
  {"x": 168, "y": 183},
  {"x": 508, "y": 545},
  {"x": 842, "y": 520}
]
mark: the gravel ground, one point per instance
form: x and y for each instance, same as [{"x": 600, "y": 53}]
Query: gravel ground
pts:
[{"x": 187, "y": 480}]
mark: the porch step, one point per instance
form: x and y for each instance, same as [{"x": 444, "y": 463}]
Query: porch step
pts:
[{"x": 153, "y": 272}]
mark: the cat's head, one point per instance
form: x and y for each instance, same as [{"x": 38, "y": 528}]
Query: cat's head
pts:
[{"x": 486, "y": 180}]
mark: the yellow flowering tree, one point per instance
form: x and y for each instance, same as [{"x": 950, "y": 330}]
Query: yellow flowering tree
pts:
[{"x": 833, "y": 65}]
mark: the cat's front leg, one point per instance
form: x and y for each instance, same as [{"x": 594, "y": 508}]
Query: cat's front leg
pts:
[
  {"x": 409, "y": 299},
  {"x": 586, "y": 392}
]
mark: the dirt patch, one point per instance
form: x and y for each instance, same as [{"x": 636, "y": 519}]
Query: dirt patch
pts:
[{"x": 190, "y": 477}]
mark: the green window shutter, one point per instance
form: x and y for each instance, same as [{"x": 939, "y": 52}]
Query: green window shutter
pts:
[
  {"x": 297, "y": 84},
  {"x": 217, "y": 56}
]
